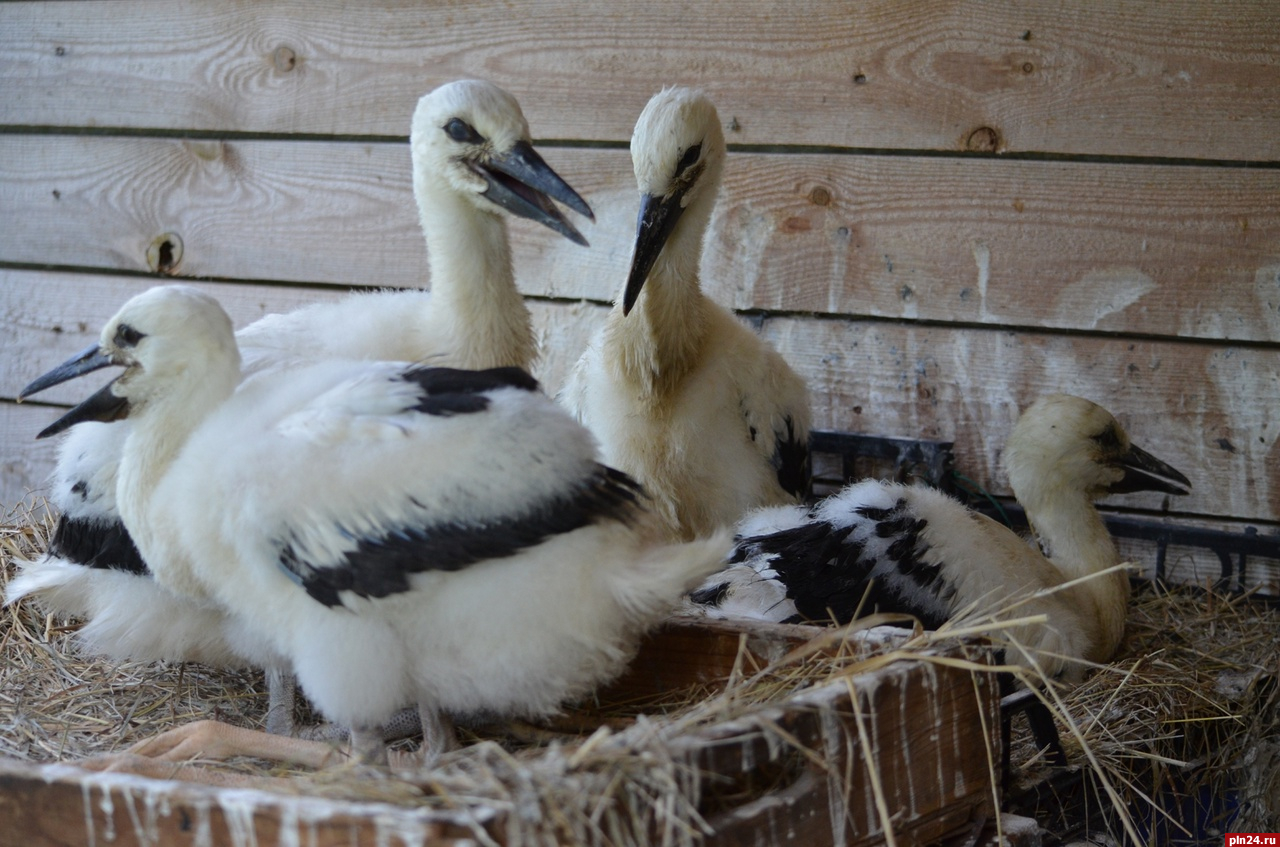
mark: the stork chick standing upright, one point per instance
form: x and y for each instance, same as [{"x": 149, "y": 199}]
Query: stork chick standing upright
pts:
[{"x": 706, "y": 415}]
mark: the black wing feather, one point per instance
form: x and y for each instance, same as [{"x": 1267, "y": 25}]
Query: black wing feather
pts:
[
  {"x": 828, "y": 575},
  {"x": 104, "y": 544},
  {"x": 380, "y": 567},
  {"x": 791, "y": 461}
]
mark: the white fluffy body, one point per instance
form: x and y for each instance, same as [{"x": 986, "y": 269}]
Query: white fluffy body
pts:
[
  {"x": 474, "y": 317},
  {"x": 83, "y": 489},
  {"x": 213, "y": 482},
  {"x": 681, "y": 394}
]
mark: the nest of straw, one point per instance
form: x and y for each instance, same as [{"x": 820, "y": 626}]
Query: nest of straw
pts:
[
  {"x": 609, "y": 776},
  {"x": 1191, "y": 694},
  {"x": 1185, "y": 717}
]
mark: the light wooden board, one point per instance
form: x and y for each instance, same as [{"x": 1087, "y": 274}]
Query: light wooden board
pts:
[
  {"x": 1177, "y": 251},
  {"x": 47, "y": 316},
  {"x": 25, "y": 464},
  {"x": 1176, "y": 78},
  {"x": 1211, "y": 410}
]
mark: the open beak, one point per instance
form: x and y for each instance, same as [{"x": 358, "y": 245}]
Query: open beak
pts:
[
  {"x": 658, "y": 216},
  {"x": 103, "y": 405},
  {"x": 523, "y": 184},
  {"x": 1144, "y": 472}
]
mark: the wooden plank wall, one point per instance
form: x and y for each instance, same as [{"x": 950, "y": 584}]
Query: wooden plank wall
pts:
[{"x": 936, "y": 210}]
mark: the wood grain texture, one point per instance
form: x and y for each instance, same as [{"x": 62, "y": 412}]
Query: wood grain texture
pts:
[
  {"x": 64, "y": 806},
  {"x": 1211, "y": 410},
  {"x": 1177, "y": 78},
  {"x": 47, "y": 316},
  {"x": 25, "y": 464},
  {"x": 1176, "y": 251}
]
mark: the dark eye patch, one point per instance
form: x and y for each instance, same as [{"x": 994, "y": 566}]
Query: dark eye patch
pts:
[
  {"x": 689, "y": 158},
  {"x": 461, "y": 131},
  {"x": 127, "y": 336},
  {"x": 1109, "y": 439}
]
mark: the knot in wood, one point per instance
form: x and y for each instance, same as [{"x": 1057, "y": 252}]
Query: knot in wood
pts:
[
  {"x": 984, "y": 139},
  {"x": 284, "y": 59},
  {"x": 164, "y": 254}
]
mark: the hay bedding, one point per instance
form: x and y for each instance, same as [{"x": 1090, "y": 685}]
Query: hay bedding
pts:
[
  {"x": 1186, "y": 715},
  {"x": 1191, "y": 698}
]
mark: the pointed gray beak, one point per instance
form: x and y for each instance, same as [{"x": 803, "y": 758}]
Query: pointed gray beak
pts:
[
  {"x": 525, "y": 185},
  {"x": 86, "y": 361},
  {"x": 102, "y": 406},
  {"x": 657, "y": 220},
  {"x": 1144, "y": 472}
]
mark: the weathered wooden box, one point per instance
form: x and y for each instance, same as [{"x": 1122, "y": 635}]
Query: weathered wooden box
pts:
[{"x": 809, "y": 769}]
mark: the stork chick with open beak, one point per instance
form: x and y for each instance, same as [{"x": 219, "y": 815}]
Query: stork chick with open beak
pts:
[
  {"x": 473, "y": 167},
  {"x": 400, "y": 534},
  {"x": 683, "y": 396}
]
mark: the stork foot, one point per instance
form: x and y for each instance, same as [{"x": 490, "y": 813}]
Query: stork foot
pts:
[
  {"x": 367, "y": 746},
  {"x": 216, "y": 740}
]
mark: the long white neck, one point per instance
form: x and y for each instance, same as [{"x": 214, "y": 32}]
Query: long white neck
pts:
[
  {"x": 661, "y": 339},
  {"x": 1076, "y": 540},
  {"x": 472, "y": 284},
  {"x": 158, "y": 432}
]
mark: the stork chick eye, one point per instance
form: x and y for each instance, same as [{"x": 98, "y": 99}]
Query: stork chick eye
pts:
[
  {"x": 688, "y": 159},
  {"x": 127, "y": 336},
  {"x": 1109, "y": 439},
  {"x": 461, "y": 131}
]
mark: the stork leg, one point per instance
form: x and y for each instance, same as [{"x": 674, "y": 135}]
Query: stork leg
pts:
[
  {"x": 281, "y": 695},
  {"x": 367, "y": 746},
  {"x": 438, "y": 734}
]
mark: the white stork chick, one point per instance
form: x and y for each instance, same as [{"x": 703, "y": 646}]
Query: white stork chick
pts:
[
  {"x": 706, "y": 415},
  {"x": 473, "y": 164},
  {"x": 402, "y": 534},
  {"x": 93, "y": 570},
  {"x": 882, "y": 546}
]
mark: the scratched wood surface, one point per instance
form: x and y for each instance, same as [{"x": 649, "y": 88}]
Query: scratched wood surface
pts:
[
  {"x": 1066, "y": 245},
  {"x": 1212, "y": 410},
  {"x": 1182, "y": 78}
]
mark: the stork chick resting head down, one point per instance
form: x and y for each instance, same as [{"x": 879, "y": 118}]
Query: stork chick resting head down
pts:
[{"x": 681, "y": 394}]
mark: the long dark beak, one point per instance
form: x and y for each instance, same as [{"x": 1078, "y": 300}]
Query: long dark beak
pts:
[
  {"x": 102, "y": 406},
  {"x": 523, "y": 184},
  {"x": 658, "y": 216},
  {"x": 86, "y": 361},
  {"x": 1144, "y": 472}
]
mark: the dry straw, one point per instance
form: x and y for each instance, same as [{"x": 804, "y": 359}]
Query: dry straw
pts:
[{"x": 1190, "y": 692}]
